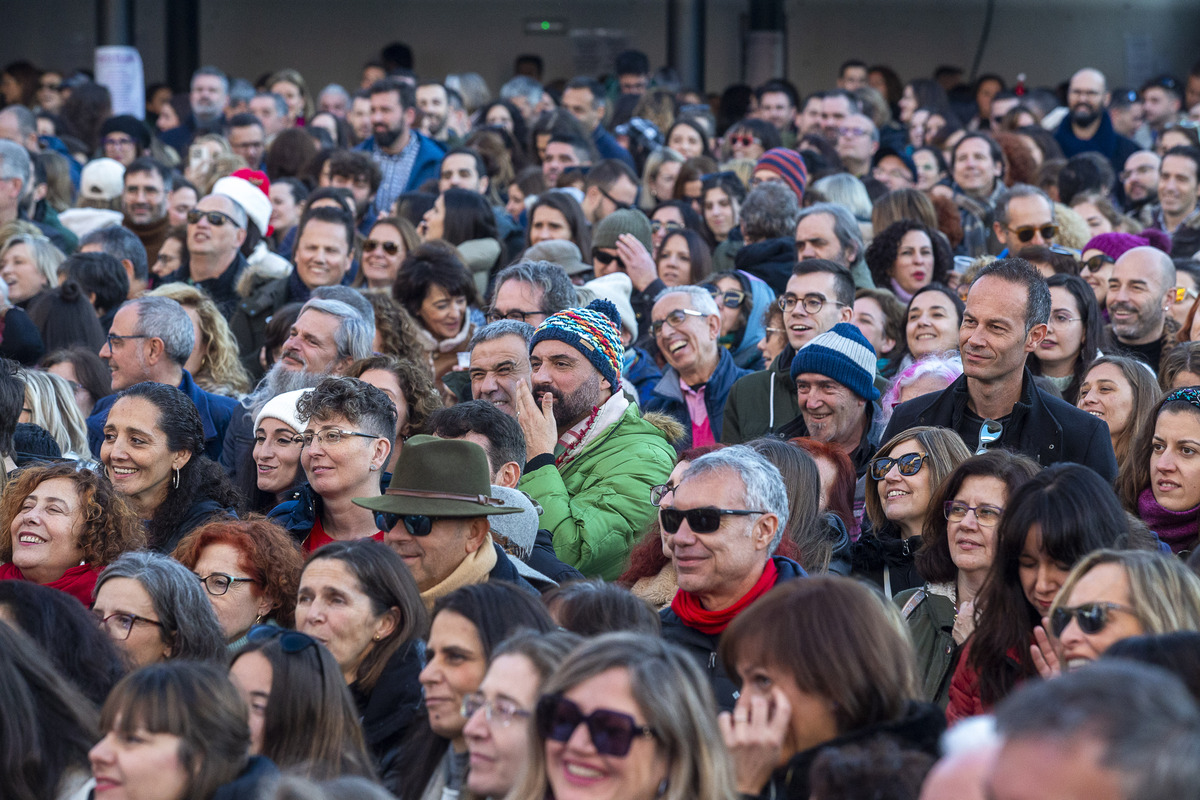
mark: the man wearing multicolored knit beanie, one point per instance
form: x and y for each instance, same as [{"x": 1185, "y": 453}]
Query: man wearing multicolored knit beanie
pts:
[{"x": 592, "y": 459}]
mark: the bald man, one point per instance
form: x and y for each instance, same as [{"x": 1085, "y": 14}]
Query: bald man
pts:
[
  {"x": 1140, "y": 291},
  {"x": 1088, "y": 128}
]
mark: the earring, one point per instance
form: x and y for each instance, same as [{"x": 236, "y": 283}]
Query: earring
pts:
[
  {"x": 258, "y": 620},
  {"x": 176, "y": 481}
]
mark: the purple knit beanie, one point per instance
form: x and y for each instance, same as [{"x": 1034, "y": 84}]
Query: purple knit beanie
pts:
[
  {"x": 788, "y": 165},
  {"x": 1115, "y": 244}
]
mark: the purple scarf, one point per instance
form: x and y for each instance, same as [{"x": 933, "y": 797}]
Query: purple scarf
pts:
[{"x": 1178, "y": 529}]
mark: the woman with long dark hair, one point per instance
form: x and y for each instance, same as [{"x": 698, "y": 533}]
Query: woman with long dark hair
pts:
[{"x": 1074, "y": 336}]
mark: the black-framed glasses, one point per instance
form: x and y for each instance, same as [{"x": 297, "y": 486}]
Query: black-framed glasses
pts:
[
  {"x": 1025, "y": 233},
  {"x": 657, "y": 493},
  {"x": 811, "y": 303},
  {"x": 699, "y": 520},
  {"x": 908, "y": 464},
  {"x": 986, "y": 515},
  {"x": 676, "y": 318},
  {"x": 495, "y": 315},
  {"x": 415, "y": 524},
  {"x": 657, "y": 225},
  {"x": 331, "y": 437},
  {"x": 215, "y": 218},
  {"x": 1091, "y": 617},
  {"x": 114, "y": 338},
  {"x": 1096, "y": 263},
  {"x": 218, "y": 583},
  {"x": 501, "y": 711},
  {"x": 729, "y": 298},
  {"x": 391, "y": 248},
  {"x": 989, "y": 432},
  {"x": 612, "y": 732},
  {"x": 119, "y": 625}
]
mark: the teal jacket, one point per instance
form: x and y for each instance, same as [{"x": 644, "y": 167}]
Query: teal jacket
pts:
[{"x": 598, "y": 504}]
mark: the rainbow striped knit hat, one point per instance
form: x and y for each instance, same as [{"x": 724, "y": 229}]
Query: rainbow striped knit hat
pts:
[{"x": 595, "y": 331}]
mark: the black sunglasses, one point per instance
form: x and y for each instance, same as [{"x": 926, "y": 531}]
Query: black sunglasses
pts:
[
  {"x": 607, "y": 258},
  {"x": 612, "y": 732},
  {"x": 1096, "y": 263},
  {"x": 415, "y": 524},
  {"x": 391, "y": 248},
  {"x": 700, "y": 520},
  {"x": 1091, "y": 617},
  {"x": 215, "y": 218},
  {"x": 908, "y": 464}
]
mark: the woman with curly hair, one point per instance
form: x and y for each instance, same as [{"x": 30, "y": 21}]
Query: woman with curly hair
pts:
[
  {"x": 153, "y": 452},
  {"x": 250, "y": 570},
  {"x": 907, "y": 256},
  {"x": 409, "y": 385},
  {"x": 60, "y": 526},
  {"x": 214, "y": 362}
]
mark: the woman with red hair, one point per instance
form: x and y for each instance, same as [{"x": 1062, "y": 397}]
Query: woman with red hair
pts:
[{"x": 250, "y": 569}]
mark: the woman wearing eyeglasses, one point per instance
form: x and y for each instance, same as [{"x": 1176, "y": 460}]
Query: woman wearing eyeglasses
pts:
[
  {"x": 153, "y": 455},
  {"x": 745, "y": 302},
  {"x": 349, "y": 428},
  {"x": 1113, "y": 594},
  {"x": 302, "y": 716},
  {"x": 249, "y": 569},
  {"x": 626, "y": 716},
  {"x": 1074, "y": 336},
  {"x": 500, "y": 714},
  {"x": 60, "y": 526},
  {"x": 821, "y": 664},
  {"x": 958, "y": 544},
  {"x": 359, "y": 600},
  {"x": 155, "y": 610},
  {"x": 387, "y": 245},
  {"x": 901, "y": 481},
  {"x": 467, "y": 626},
  {"x": 1049, "y": 523}
]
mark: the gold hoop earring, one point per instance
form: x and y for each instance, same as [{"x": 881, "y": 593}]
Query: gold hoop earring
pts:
[{"x": 176, "y": 481}]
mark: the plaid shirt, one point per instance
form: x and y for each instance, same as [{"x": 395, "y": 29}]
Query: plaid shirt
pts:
[{"x": 396, "y": 169}]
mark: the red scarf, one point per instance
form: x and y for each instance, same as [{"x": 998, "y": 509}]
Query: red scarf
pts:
[
  {"x": 77, "y": 581},
  {"x": 687, "y": 606}
]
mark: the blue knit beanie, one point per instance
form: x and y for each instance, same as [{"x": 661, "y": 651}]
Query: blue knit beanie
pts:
[
  {"x": 841, "y": 353},
  {"x": 594, "y": 331}
]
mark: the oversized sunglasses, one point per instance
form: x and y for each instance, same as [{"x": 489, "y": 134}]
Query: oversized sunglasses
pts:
[
  {"x": 729, "y": 298},
  {"x": 391, "y": 248},
  {"x": 1025, "y": 233},
  {"x": 744, "y": 140},
  {"x": 908, "y": 464},
  {"x": 1091, "y": 617},
  {"x": 612, "y": 732},
  {"x": 215, "y": 218},
  {"x": 415, "y": 524},
  {"x": 1096, "y": 263},
  {"x": 607, "y": 258},
  {"x": 699, "y": 520}
]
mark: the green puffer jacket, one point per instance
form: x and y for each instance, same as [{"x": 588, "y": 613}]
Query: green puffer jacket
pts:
[{"x": 599, "y": 503}]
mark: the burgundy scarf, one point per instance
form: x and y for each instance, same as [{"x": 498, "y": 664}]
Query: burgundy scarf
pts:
[{"x": 1178, "y": 529}]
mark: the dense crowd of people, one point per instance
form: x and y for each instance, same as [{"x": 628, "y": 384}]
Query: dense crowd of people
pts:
[{"x": 599, "y": 438}]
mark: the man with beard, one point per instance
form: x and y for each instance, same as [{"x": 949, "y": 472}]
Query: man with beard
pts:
[
  {"x": 405, "y": 157},
  {"x": 333, "y": 330},
  {"x": 592, "y": 458},
  {"x": 434, "y": 104},
  {"x": 1140, "y": 181},
  {"x": 1008, "y": 307},
  {"x": 1140, "y": 292},
  {"x": 209, "y": 98},
  {"x": 1088, "y": 126},
  {"x": 148, "y": 185}
]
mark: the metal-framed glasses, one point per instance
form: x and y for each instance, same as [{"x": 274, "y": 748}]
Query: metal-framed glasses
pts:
[
  {"x": 989, "y": 432},
  {"x": 500, "y": 711},
  {"x": 114, "y": 339},
  {"x": 330, "y": 437}
]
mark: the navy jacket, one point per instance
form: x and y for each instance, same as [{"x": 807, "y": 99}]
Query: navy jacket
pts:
[
  {"x": 426, "y": 167},
  {"x": 1106, "y": 141},
  {"x": 668, "y": 396},
  {"x": 609, "y": 147},
  {"x": 215, "y": 412},
  {"x": 1040, "y": 426},
  {"x": 703, "y": 646}
]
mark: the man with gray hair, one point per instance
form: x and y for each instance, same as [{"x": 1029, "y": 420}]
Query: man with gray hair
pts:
[
  {"x": 1118, "y": 730},
  {"x": 125, "y": 246},
  {"x": 830, "y": 231},
  {"x": 499, "y": 361},
  {"x": 1024, "y": 215},
  {"x": 209, "y": 98},
  {"x": 768, "y": 223},
  {"x": 686, "y": 325},
  {"x": 14, "y": 179},
  {"x": 523, "y": 92},
  {"x": 721, "y": 525},
  {"x": 216, "y": 228},
  {"x": 334, "y": 99},
  {"x": 530, "y": 291},
  {"x": 857, "y": 141},
  {"x": 151, "y": 339}
]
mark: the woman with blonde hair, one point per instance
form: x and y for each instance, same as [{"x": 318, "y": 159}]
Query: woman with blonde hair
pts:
[
  {"x": 636, "y": 708},
  {"x": 29, "y": 265},
  {"x": 214, "y": 362},
  {"x": 288, "y": 84},
  {"x": 52, "y": 406},
  {"x": 658, "y": 177}
]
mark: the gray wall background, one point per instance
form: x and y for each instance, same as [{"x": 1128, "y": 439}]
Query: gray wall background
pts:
[{"x": 328, "y": 40}]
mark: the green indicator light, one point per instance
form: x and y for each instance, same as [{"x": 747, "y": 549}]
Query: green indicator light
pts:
[{"x": 545, "y": 26}]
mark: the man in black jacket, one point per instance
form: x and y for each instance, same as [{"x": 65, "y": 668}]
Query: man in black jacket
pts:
[{"x": 1007, "y": 310}]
